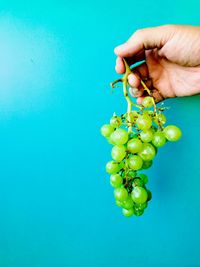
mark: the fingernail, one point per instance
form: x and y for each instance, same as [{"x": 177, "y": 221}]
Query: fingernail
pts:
[
  {"x": 135, "y": 92},
  {"x": 131, "y": 79},
  {"x": 117, "y": 48}
]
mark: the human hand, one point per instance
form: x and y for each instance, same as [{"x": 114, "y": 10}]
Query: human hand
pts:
[{"x": 172, "y": 61}]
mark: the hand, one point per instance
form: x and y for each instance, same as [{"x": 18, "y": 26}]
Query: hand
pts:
[{"x": 172, "y": 61}]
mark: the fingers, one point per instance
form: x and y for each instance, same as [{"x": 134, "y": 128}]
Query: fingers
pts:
[
  {"x": 140, "y": 72},
  {"x": 144, "y": 39},
  {"x": 134, "y": 80},
  {"x": 120, "y": 68},
  {"x": 137, "y": 90}
]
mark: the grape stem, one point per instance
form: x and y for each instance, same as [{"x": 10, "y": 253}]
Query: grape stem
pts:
[
  {"x": 150, "y": 94},
  {"x": 154, "y": 104},
  {"x": 124, "y": 81}
]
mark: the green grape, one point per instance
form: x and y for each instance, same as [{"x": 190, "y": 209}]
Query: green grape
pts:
[
  {"x": 148, "y": 152},
  {"x": 110, "y": 141},
  {"x": 134, "y": 145},
  {"x": 139, "y": 195},
  {"x": 172, "y": 133},
  {"x": 128, "y": 203},
  {"x": 149, "y": 113},
  {"x": 119, "y": 203},
  {"x": 149, "y": 195},
  {"x": 138, "y": 182},
  {"x": 135, "y": 162},
  {"x": 115, "y": 121},
  {"x": 144, "y": 122},
  {"x": 159, "y": 139},
  {"x": 132, "y": 173},
  {"x": 119, "y": 136},
  {"x": 143, "y": 177},
  {"x": 116, "y": 180},
  {"x": 147, "y": 164},
  {"x": 138, "y": 212},
  {"x": 141, "y": 206},
  {"x": 112, "y": 167},
  {"x": 160, "y": 119},
  {"x": 146, "y": 136},
  {"x": 107, "y": 130},
  {"x": 121, "y": 194},
  {"x": 147, "y": 102},
  {"x": 118, "y": 153},
  {"x": 128, "y": 213}
]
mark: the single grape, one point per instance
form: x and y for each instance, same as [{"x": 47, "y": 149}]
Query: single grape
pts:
[
  {"x": 149, "y": 113},
  {"x": 172, "y": 133},
  {"x": 138, "y": 212},
  {"x": 118, "y": 153},
  {"x": 110, "y": 140},
  {"x": 139, "y": 195},
  {"x": 132, "y": 173},
  {"x": 147, "y": 102},
  {"x": 149, "y": 195},
  {"x": 107, "y": 130},
  {"x": 147, "y": 164},
  {"x": 159, "y": 139},
  {"x": 112, "y": 167},
  {"x": 146, "y": 136},
  {"x": 121, "y": 194},
  {"x": 119, "y": 136},
  {"x": 116, "y": 180},
  {"x": 119, "y": 203},
  {"x": 115, "y": 121},
  {"x": 143, "y": 177},
  {"x": 140, "y": 206},
  {"x": 148, "y": 152},
  {"x": 128, "y": 213},
  {"x": 160, "y": 119},
  {"x": 144, "y": 122},
  {"x": 138, "y": 182},
  {"x": 128, "y": 203},
  {"x": 135, "y": 162},
  {"x": 134, "y": 145}
]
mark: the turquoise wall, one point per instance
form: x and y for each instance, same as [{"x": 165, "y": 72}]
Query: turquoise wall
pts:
[{"x": 56, "y": 204}]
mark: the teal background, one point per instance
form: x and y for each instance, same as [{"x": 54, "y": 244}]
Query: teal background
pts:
[{"x": 56, "y": 204}]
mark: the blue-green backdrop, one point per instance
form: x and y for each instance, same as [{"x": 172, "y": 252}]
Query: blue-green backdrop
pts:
[{"x": 56, "y": 204}]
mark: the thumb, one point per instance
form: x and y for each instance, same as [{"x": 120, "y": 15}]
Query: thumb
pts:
[{"x": 145, "y": 39}]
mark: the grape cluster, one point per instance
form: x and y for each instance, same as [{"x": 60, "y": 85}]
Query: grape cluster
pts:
[{"x": 136, "y": 137}]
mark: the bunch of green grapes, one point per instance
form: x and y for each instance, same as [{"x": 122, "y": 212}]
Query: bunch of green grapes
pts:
[{"x": 136, "y": 137}]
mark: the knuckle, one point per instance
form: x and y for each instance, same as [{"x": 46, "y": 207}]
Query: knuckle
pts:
[
  {"x": 170, "y": 27},
  {"x": 139, "y": 32}
]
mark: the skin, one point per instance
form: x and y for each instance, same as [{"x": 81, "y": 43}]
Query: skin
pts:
[{"x": 172, "y": 61}]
